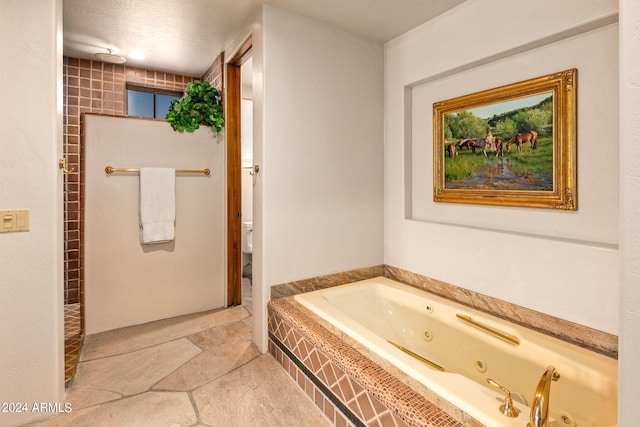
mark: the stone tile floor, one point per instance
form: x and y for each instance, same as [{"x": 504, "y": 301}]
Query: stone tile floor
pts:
[{"x": 195, "y": 370}]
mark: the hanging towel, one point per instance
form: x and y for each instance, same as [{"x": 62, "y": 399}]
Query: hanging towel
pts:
[{"x": 157, "y": 205}]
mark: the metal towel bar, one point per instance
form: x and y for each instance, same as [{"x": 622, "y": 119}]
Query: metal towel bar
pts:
[{"x": 110, "y": 169}]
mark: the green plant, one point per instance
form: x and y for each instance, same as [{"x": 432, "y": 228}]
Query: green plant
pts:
[{"x": 200, "y": 105}]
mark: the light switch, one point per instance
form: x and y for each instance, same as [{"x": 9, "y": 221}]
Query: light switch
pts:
[{"x": 14, "y": 220}]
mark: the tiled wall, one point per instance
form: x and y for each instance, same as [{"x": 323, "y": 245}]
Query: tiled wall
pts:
[
  {"x": 215, "y": 73},
  {"x": 96, "y": 87}
]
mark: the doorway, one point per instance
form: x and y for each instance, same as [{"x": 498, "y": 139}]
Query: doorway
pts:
[
  {"x": 247, "y": 175},
  {"x": 237, "y": 254}
]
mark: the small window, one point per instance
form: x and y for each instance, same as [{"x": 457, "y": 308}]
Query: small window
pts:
[
  {"x": 149, "y": 102},
  {"x": 162, "y": 103}
]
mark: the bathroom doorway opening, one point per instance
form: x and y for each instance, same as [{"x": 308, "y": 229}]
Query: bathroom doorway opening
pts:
[
  {"x": 247, "y": 173},
  {"x": 239, "y": 164}
]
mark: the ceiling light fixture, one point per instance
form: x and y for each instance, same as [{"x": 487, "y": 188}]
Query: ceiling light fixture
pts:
[
  {"x": 111, "y": 58},
  {"x": 136, "y": 54}
]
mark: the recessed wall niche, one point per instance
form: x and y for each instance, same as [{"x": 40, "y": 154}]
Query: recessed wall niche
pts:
[{"x": 596, "y": 220}]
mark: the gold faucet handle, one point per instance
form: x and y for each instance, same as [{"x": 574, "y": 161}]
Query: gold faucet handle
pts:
[{"x": 507, "y": 408}]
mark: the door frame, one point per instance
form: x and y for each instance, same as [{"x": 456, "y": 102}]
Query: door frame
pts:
[{"x": 234, "y": 183}]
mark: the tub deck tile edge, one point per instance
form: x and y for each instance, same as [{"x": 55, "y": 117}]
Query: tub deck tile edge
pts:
[
  {"x": 301, "y": 331},
  {"x": 573, "y": 333}
]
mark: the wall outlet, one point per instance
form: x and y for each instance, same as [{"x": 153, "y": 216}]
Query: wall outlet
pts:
[{"x": 14, "y": 220}]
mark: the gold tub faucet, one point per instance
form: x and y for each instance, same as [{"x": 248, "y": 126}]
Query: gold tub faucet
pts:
[{"x": 539, "y": 416}]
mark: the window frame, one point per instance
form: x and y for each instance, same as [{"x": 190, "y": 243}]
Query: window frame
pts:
[{"x": 155, "y": 91}]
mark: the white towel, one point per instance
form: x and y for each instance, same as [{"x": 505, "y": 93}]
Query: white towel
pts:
[{"x": 157, "y": 205}]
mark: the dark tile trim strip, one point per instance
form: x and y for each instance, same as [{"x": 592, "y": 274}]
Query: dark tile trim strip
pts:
[{"x": 325, "y": 391}]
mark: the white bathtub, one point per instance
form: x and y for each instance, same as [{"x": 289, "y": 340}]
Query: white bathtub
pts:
[{"x": 378, "y": 311}]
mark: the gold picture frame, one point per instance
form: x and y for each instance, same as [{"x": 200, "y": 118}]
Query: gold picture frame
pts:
[{"x": 525, "y": 153}]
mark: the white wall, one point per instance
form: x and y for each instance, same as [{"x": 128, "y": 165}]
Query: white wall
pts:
[
  {"x": 557, "y": 262},
  {"x": 322, "y": 149},
  {"x": 127, "y": 283},
  {"x": 629, "y": 211},
  {"x": 31, "y": 294},
  {"x": 597, "y": 165}
]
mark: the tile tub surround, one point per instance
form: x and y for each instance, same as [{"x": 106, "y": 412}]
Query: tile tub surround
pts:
[
  {"x": 345, "y": 378},
  {"x": 583, "y": 336},
  {"x": 326, "y": 281}
]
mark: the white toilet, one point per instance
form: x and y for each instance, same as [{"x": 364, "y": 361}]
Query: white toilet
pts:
[
  {"x": 247, "y": 248},
  {"x": 247, "y": 237}
]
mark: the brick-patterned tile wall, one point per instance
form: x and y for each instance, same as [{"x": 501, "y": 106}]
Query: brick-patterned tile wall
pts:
[
  {"x": 96, "y": 87},
  {"x": 215, "y": 74}
]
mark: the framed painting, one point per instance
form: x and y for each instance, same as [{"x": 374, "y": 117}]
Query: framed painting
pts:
[{"x": 513, "y": 145}]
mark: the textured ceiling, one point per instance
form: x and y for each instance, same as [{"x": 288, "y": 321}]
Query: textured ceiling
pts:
[{"x": 185, "y": 36}]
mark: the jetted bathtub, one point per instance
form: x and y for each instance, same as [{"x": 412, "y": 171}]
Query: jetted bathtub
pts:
[{"x": 452, "y": 350}]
